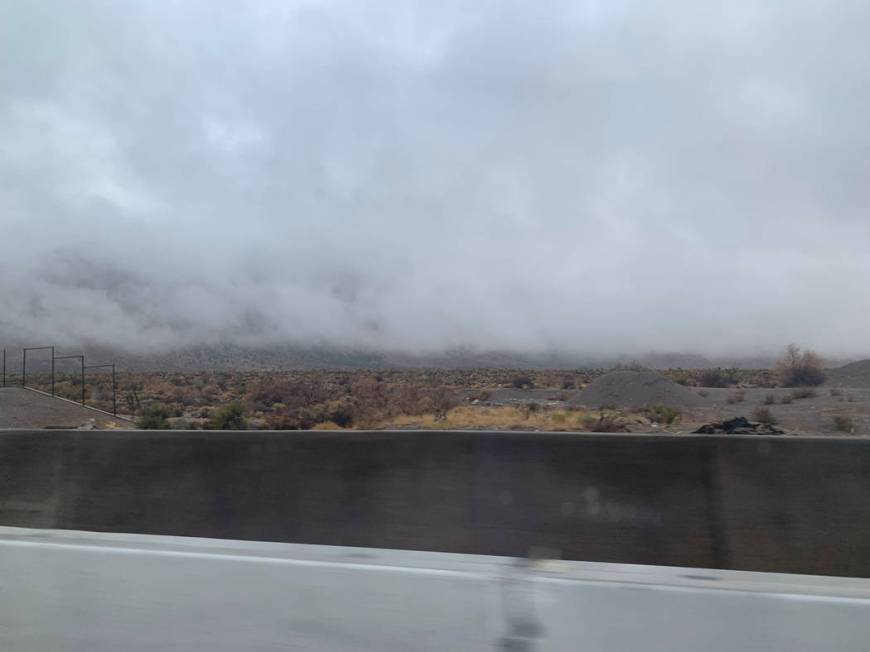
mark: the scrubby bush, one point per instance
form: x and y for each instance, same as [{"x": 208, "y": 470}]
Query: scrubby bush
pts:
[
  {"x": 718, "y": 377},
  {"x": 229, "y": 417},
  {"x": 154, "y": 417},
  {"x": 522, "y": 381},
  {"x": 804, "y": 392},
  {"x": 604, "y": 423},
  {"x": 662, "y": 414},
  {"x": 765, "y": 416},
  {"x": 736, "y": 397},
  {"x": 770, "y": 399},
  {"x": 843, "y": 424},
  {"x": 529, "y": 409},
  {"x": 800, "y": 369}
]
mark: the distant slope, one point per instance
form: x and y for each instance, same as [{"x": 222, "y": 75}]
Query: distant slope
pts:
[
  {"x": 856, "y": 374},
  {"x": 286, "y": 358}
]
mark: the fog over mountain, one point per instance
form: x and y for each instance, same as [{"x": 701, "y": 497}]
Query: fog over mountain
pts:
[{"x": 579, "y": 177}]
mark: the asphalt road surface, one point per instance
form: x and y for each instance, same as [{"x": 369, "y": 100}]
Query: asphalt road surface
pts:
[{"x": 84, "y": 592}]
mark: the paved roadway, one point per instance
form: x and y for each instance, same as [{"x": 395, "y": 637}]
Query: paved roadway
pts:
[{"x": 84, "y": 592}]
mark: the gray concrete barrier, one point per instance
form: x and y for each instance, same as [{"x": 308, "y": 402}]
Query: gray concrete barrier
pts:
[{"x": 794, "y": 505}]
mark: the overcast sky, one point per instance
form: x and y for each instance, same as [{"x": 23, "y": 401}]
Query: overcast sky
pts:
[{"x": 583, "y": 176}]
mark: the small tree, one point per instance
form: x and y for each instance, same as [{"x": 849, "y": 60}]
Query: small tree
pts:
[
  {"x": 801, "y": 369},
  {"x": 230, "y": 417},
  {"x": 154, "y": 417}
]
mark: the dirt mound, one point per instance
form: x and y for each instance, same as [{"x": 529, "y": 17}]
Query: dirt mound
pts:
[
  {"x": 635, "y": 389},
  {"x": 856, "y": 374},
  {"x": 738, "y": 426}
]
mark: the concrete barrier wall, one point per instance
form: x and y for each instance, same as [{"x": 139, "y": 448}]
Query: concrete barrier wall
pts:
[{"x": 768, "y": 504}]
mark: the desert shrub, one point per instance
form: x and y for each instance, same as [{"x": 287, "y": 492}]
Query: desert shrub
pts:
[
  {"x": 836, "y": 391},
  {"x": 843, "y": 424},
  {"x": 765, "y": 416},
  {"x": 530, "y": 408},
  {"x": 443, "y": 400},
  {"x": 718, "y": 377},
  {"x": 770, "y": 399},
  {"x": 154, "y": 417},
  {"x": 786, "y": 400},
  {"x": 800, "y": 369},
  {"x": 682, "y": 380},
  {"x": 229, "y": 417},
  {"x": 804, "y": 392},
  {"x": 662, "y": 414},
  {"x": 604, "y": 423},
  {"x": 342, "y": 414},
  {"x": 522, "y": 381},
  {"x": 703, "y": 393},
  {"x": 736, "y": 397}
]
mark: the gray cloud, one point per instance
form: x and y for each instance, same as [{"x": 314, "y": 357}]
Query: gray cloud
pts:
[{"x": 576, "y": 176}]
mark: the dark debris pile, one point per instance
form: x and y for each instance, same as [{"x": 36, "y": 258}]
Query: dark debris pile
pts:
[{"x": 738, "y": 426}]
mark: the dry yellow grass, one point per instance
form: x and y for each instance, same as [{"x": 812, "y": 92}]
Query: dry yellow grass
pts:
[
  {"x": 327, "y": 425},
  {"x": 469, "y": 417}
]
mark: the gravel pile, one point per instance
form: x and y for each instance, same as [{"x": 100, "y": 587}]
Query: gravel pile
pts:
[
  {"x": 856, "y": 374},
  {"x": 635, "y": 389}
]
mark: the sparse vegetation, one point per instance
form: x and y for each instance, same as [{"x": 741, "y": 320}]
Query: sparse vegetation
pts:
[
  {"x": 843, "y": 424},
  {"x": 419, "y": 398},
  {"x": 765, "y": 416},
  {"x": 801, "y": 369},
  {"x": 663, "y": 414},
  {"x": 230, "y": 417},
  {"x": 154, "y": 417},
  {"x": 522, "y": 381},
  {"x": 605, "y": 423},
  {"x": 718, "y": 377}
]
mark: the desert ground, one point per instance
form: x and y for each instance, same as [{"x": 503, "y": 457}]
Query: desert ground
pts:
[{"x": 598, "y": 400}]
